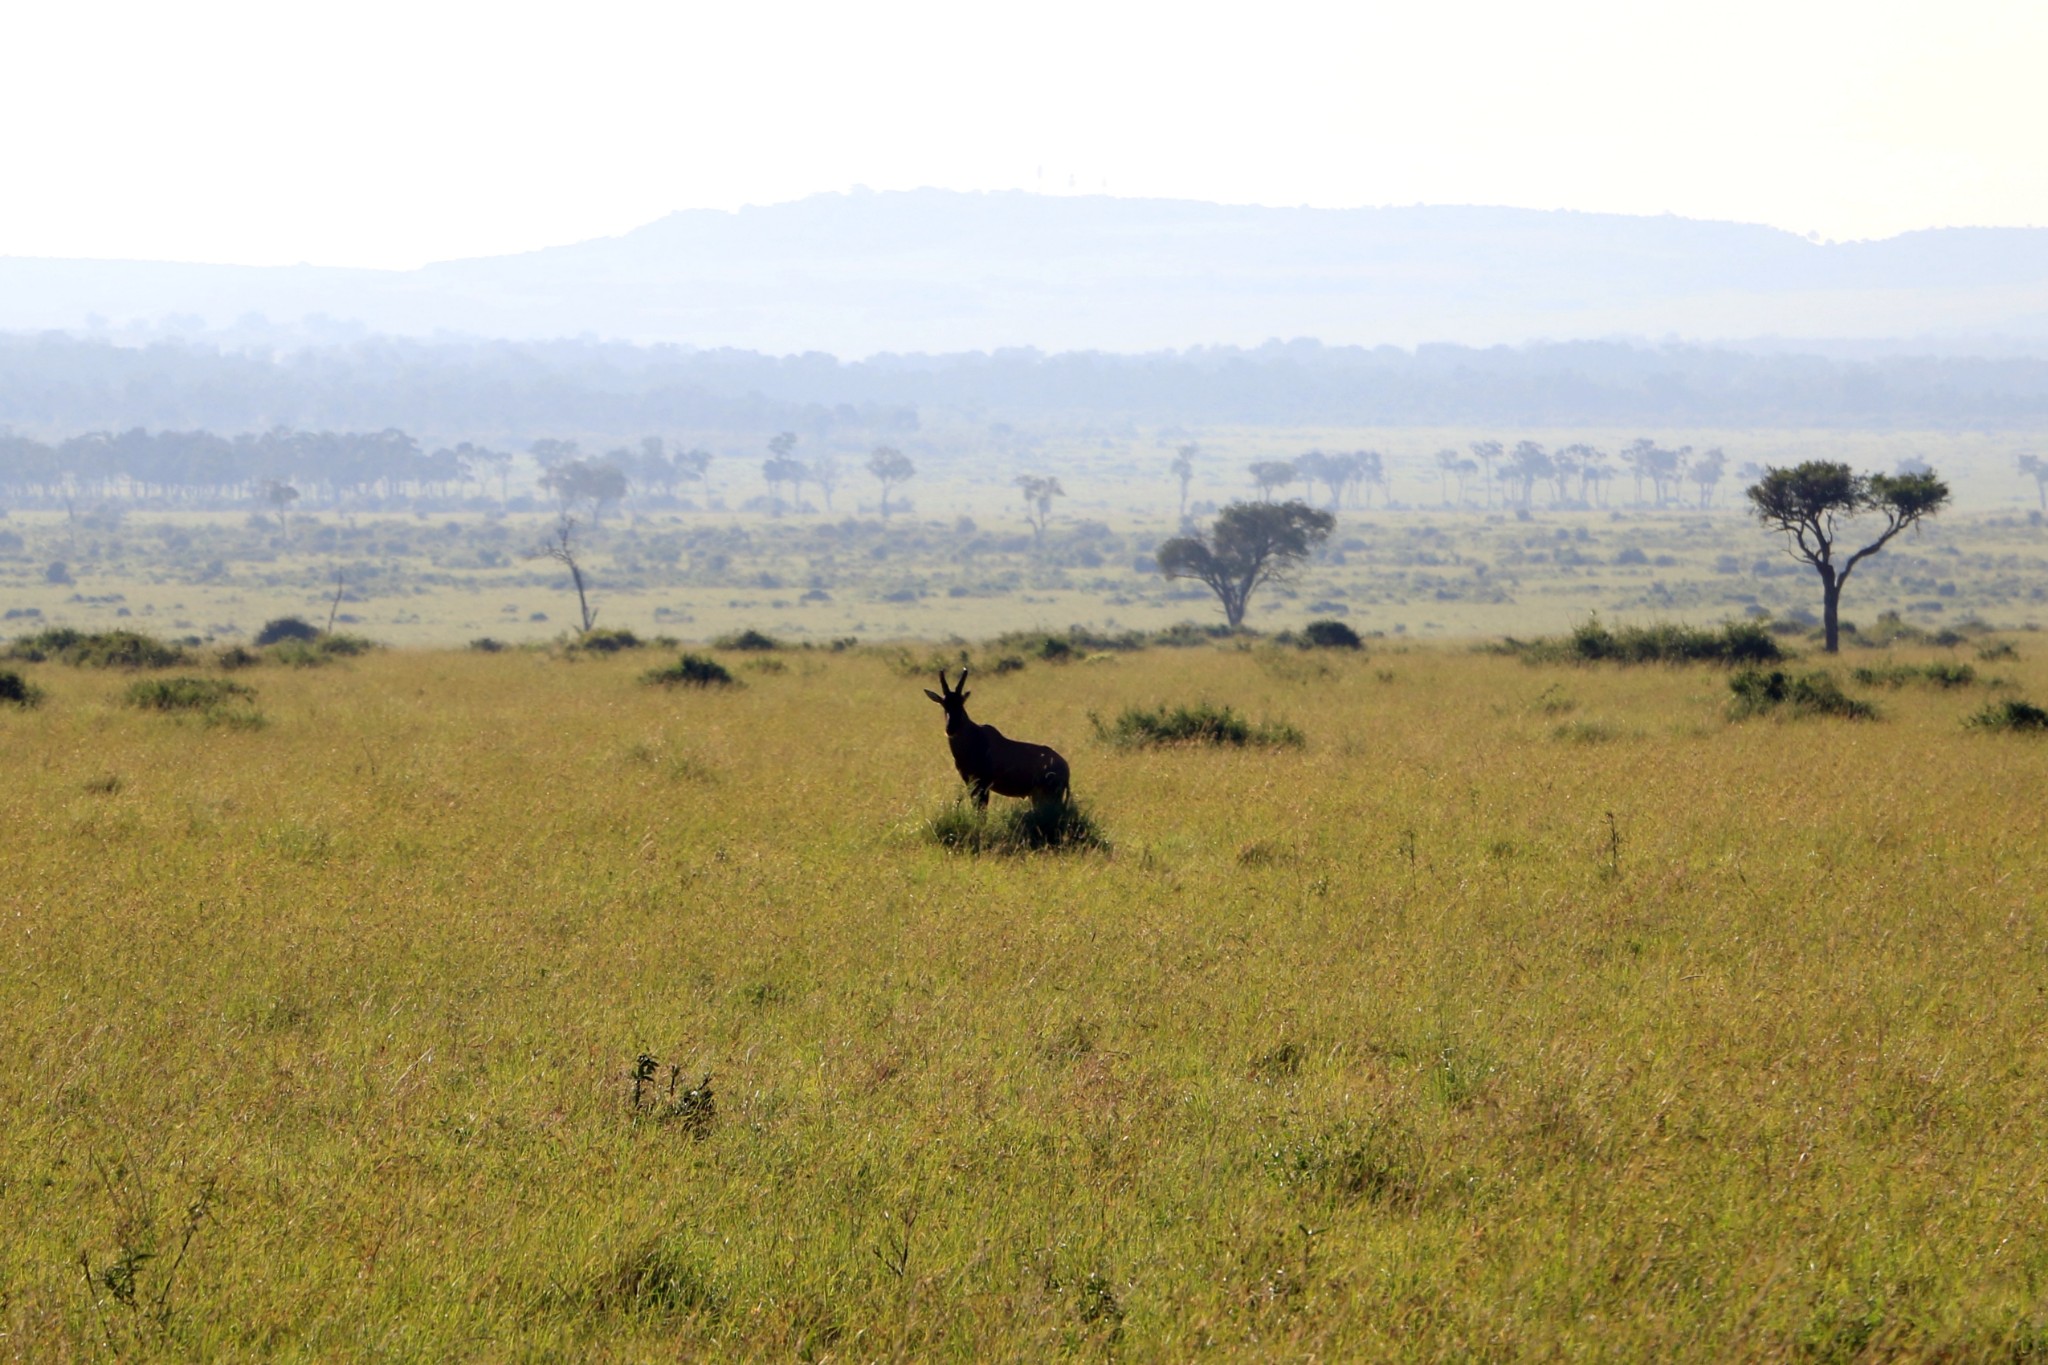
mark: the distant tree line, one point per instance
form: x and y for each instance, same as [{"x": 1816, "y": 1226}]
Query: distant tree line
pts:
[{"x": 516, "y": 390}]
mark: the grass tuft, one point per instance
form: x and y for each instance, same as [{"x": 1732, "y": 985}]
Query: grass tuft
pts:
[
  {"x": 1201, "y": 723},
  {"x": 1017, "y": 827},
  {"x": 1943, "y": 675}
]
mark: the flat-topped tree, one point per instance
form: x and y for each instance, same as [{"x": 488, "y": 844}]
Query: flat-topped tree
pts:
[
  {"x": 1808, "y": 501},
  {"x": 1251, "y": 543}
]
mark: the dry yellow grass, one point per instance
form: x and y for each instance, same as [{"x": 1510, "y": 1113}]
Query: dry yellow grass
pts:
[{"x": 1522, "y": 1012}]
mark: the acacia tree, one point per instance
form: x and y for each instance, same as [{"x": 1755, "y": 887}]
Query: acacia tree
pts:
[
  {"x": 890, "y": 467},
  {"x": 1183, "y": 468},
  {"x": 1807, "y": 501},
  {"x": 1272, "y": 474},
  {"x": 1250, "y": 544},
  {"x": 2037, "y": 468},
  {"x": 1039, "y": 490}
]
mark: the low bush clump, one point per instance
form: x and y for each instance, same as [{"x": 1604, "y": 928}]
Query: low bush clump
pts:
[
  {"x": 1934, "y": 675},
  {"x": 1809, "y": 694},
  {"x": 746, "y": 639},
  {"x": 1201, "y": 723},
  {"x": 16, "y": 690},
  {"x": 484, "y": 644},
  {"x": 99, "y": 649},
  {"x": 2010, "y": 714},
  {"x": 605, "y": 640},
  {"x": 217, "y": 701},
  {"x": 1736, "y": 642},
  {"x": 1016, "y": 827},
  {"x": 186, "y": 694},
  {"x": 321, "y": 649},
  {"x": 285, "y": 628},
  {"x": 1188, "y": 634},
  {"x": 692, "y": 670},
  {"x": 1330, "y": 635}
]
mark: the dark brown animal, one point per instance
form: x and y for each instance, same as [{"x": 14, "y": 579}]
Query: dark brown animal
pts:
[{"x": 989, "y": 762}]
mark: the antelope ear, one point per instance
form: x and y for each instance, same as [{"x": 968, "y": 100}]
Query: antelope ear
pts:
[
  {"x": 935, "y": 696},
  {"x": 963, "y": 694}
]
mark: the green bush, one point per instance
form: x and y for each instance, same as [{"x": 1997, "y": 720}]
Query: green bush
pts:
[
  {"x": 321, "y": 649},
  {"x": 1809, "y": 694},
  {"x": 1201, "y": 723},
  {"x": 692, "y": 670},
  {"x": 2010, "y": 714},
  {"x": 102, "y": 649},
  {"x": 16, "y": 690},
  {"x": 1737, "y": 642},
  {"x": 607, "y": 641},
  {"x": 285, "y": 628},
  {"x": 1016, "y": 827},
  {"x": 1331, "y": 635},
  {"x": 1943, "y": 675},
  {"x": 746, "y": 639},
  {"x": 186, "y": 694}
]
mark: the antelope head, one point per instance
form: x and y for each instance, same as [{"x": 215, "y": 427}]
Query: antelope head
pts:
[{"x": 954, "y": 699}]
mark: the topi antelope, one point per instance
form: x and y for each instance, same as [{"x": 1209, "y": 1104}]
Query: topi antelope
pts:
[{"x": 989, "y": 762}]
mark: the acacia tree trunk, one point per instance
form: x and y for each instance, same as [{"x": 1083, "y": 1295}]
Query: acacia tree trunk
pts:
[{"x": 1831, "y": 608}]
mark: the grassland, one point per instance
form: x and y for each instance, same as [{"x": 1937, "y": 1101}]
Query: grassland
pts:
[{"x": 1521, "y": 1011}]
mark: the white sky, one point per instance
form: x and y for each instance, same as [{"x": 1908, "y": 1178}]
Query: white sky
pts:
[{"x": 389, "y": 134}]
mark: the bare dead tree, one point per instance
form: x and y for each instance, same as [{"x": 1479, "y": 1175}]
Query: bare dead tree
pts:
[{"x": 561, "y": 547}]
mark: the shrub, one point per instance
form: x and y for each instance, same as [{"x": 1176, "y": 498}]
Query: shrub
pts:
[
  {"x": 692, "y": 670},
  {"x": 2010, "y": 714},
  {"x": 16, "y": 690},
  {"x": 104, "y": 649},
  {"x": 1809, "y": 694},
  {"x": 1996, "y": 650},
  {"x": 486, "y": 645},
  {"x": 1934, "y": 675},
  {"x": 746, "y": 639},
  {"x": 1737, "y": 642},
  {"x": 234, "y": 657},
  {"x": 1201, "y": 723},
  {"x": 322, "y": 649},
  {"x": 603, "y": 640},
  {"x": 1331, "y": 635},
  {"x": 186, "y": 694},
  {"x": 1016, "y": 827},
  {"x": 285, "y": 628},
  {"x": 1188, "y": 634}
]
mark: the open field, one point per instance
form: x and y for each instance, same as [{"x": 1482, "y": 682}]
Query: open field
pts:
[
  {"x": 1427, "y": 559},
  {"x": 1521, "y": 1011}
]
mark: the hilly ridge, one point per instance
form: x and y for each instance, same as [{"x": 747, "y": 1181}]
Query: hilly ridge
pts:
[{"x": 937, "y": 271}]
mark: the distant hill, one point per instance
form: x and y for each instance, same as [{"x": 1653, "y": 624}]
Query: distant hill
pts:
[{"x": 937, "y": 271}]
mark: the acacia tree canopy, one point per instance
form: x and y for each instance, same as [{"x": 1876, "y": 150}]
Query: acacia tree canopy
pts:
[
  {"x": 1808, "y": 502},
  {"x": 1251, "y": 543}
]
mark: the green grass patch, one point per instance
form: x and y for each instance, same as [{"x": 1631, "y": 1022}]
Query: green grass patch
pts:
[
  {"x": 692, "y": 670},
  {"x": 1202, "y": 723},
  {"x": 1017, "y": 827},
  {"x": 1760, "y": 693}
]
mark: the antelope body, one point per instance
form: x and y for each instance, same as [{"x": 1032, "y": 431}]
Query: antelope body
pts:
[{"x": 988, "y": 761}]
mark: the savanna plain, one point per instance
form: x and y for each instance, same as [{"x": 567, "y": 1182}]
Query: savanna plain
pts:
[{"x": 463, "y": 1003}]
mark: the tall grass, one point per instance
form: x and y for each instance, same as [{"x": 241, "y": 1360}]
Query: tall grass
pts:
[{"x": 1436, "y": 1038}]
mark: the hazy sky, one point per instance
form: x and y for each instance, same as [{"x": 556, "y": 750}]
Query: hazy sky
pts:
[{"x": 388, "y": 134}]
